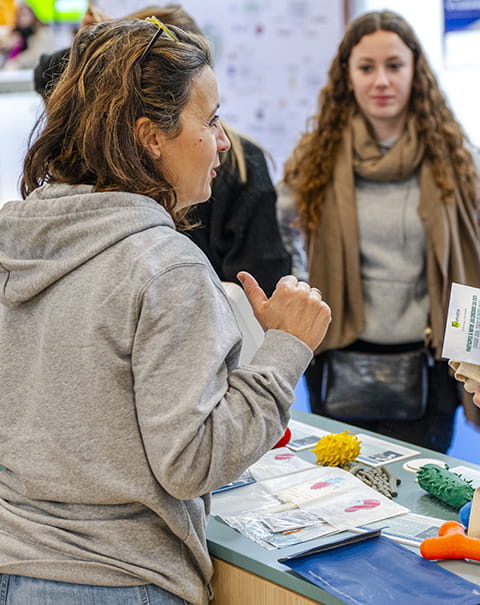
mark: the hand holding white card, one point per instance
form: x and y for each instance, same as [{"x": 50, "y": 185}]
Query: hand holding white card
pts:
[{"x": 462, "y": 330}]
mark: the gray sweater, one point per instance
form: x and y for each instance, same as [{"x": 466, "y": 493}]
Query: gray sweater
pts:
[
  {"x": 393, "y": 261},
  {"x": 122, "y": 405}
]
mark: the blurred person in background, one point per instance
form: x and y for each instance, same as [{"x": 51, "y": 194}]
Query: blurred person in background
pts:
[
  {"x": 22, "y": 46},
  {"x": 385, "y": 185}
]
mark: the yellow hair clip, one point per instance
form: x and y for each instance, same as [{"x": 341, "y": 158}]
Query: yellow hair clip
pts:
[{"x": 161, "y": 28}]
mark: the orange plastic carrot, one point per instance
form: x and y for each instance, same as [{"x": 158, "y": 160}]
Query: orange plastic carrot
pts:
[{"x": 451, "y": 543}]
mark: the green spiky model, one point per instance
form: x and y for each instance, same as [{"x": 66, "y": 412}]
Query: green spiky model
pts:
[{"x": 448, "y": 487}]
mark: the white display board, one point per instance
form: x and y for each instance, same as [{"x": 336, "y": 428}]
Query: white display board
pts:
[
  {"x": 18, "y": 113},
  {"x": 271, "y": 59}
]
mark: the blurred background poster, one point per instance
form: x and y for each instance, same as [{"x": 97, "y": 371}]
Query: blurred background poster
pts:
[
  {"x": 462, "y": 33},
  {"x": 59, "y": 11},
  {"x": 7, "y": 12},
  {"x": 461, "y": 14},
  {"x": 271, "y": 59}
]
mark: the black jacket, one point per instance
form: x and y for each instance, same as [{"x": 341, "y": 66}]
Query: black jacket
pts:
[{"x": 239, "y": 229}]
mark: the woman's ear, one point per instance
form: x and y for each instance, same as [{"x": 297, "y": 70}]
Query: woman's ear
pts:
[{"x": 149, "y": 136}]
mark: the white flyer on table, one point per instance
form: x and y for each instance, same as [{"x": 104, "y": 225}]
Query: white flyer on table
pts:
[
  {"x": 462, "y": 330},
  {"x": 467, "y": 473},
  {"x": 304, "y": 436},
  {"x": 279, "y": 461},
  {"x": 302, "y": 505},
  {"x": 408, "y": 528},
  {"x": 377, "y": 452},
  {"x": 334, "y": 494}
]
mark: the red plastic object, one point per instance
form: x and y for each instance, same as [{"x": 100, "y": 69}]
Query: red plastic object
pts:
[{"x": 284, "y": 440}]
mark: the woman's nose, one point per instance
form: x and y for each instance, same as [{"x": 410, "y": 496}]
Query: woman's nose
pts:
[
  {"x": 223, "y": 142},
  {"x": 381, "y": 77}
]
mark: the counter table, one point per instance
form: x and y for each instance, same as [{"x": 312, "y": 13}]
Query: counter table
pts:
[{"x": 248, "y": 574}]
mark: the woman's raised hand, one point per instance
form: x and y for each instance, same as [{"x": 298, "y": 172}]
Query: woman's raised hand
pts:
[{"x": 294, "y": 307}]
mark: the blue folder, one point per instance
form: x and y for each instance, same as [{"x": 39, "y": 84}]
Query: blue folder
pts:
[{"x": 370, "y": 569}]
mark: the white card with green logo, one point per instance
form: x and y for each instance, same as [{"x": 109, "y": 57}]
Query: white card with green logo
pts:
[{"x": 462, "y": 330}]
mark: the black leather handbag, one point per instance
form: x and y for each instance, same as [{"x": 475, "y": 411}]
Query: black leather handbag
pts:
[{"x": 375, "y": 386}]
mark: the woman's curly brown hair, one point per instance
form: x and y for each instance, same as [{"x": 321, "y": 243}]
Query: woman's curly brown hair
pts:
[{"x": 309, "y": 169}]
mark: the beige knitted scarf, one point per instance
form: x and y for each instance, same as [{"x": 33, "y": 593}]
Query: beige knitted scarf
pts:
[
  {"x": 452, "y": 232},
  {"x": 371, "y": 163}
]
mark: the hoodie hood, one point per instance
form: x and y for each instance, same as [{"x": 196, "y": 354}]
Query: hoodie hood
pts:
[{"x": 59, "y": 227}]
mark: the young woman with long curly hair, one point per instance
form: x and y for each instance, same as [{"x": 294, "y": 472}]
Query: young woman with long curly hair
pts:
[{"x": 385, "y": 187}]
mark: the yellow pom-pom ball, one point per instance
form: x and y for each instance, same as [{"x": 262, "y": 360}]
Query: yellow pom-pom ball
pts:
[{"x": 337, "y": 449}]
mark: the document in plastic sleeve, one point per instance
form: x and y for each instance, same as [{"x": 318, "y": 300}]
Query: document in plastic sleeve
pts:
[{"x": 462, "y": 330}]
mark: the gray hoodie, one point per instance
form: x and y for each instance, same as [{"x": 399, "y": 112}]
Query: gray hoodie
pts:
[{"x": 121, "y": 403}]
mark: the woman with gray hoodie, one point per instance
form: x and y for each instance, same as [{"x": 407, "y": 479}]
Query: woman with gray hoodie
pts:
[{"x": 123, "y": 404}]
